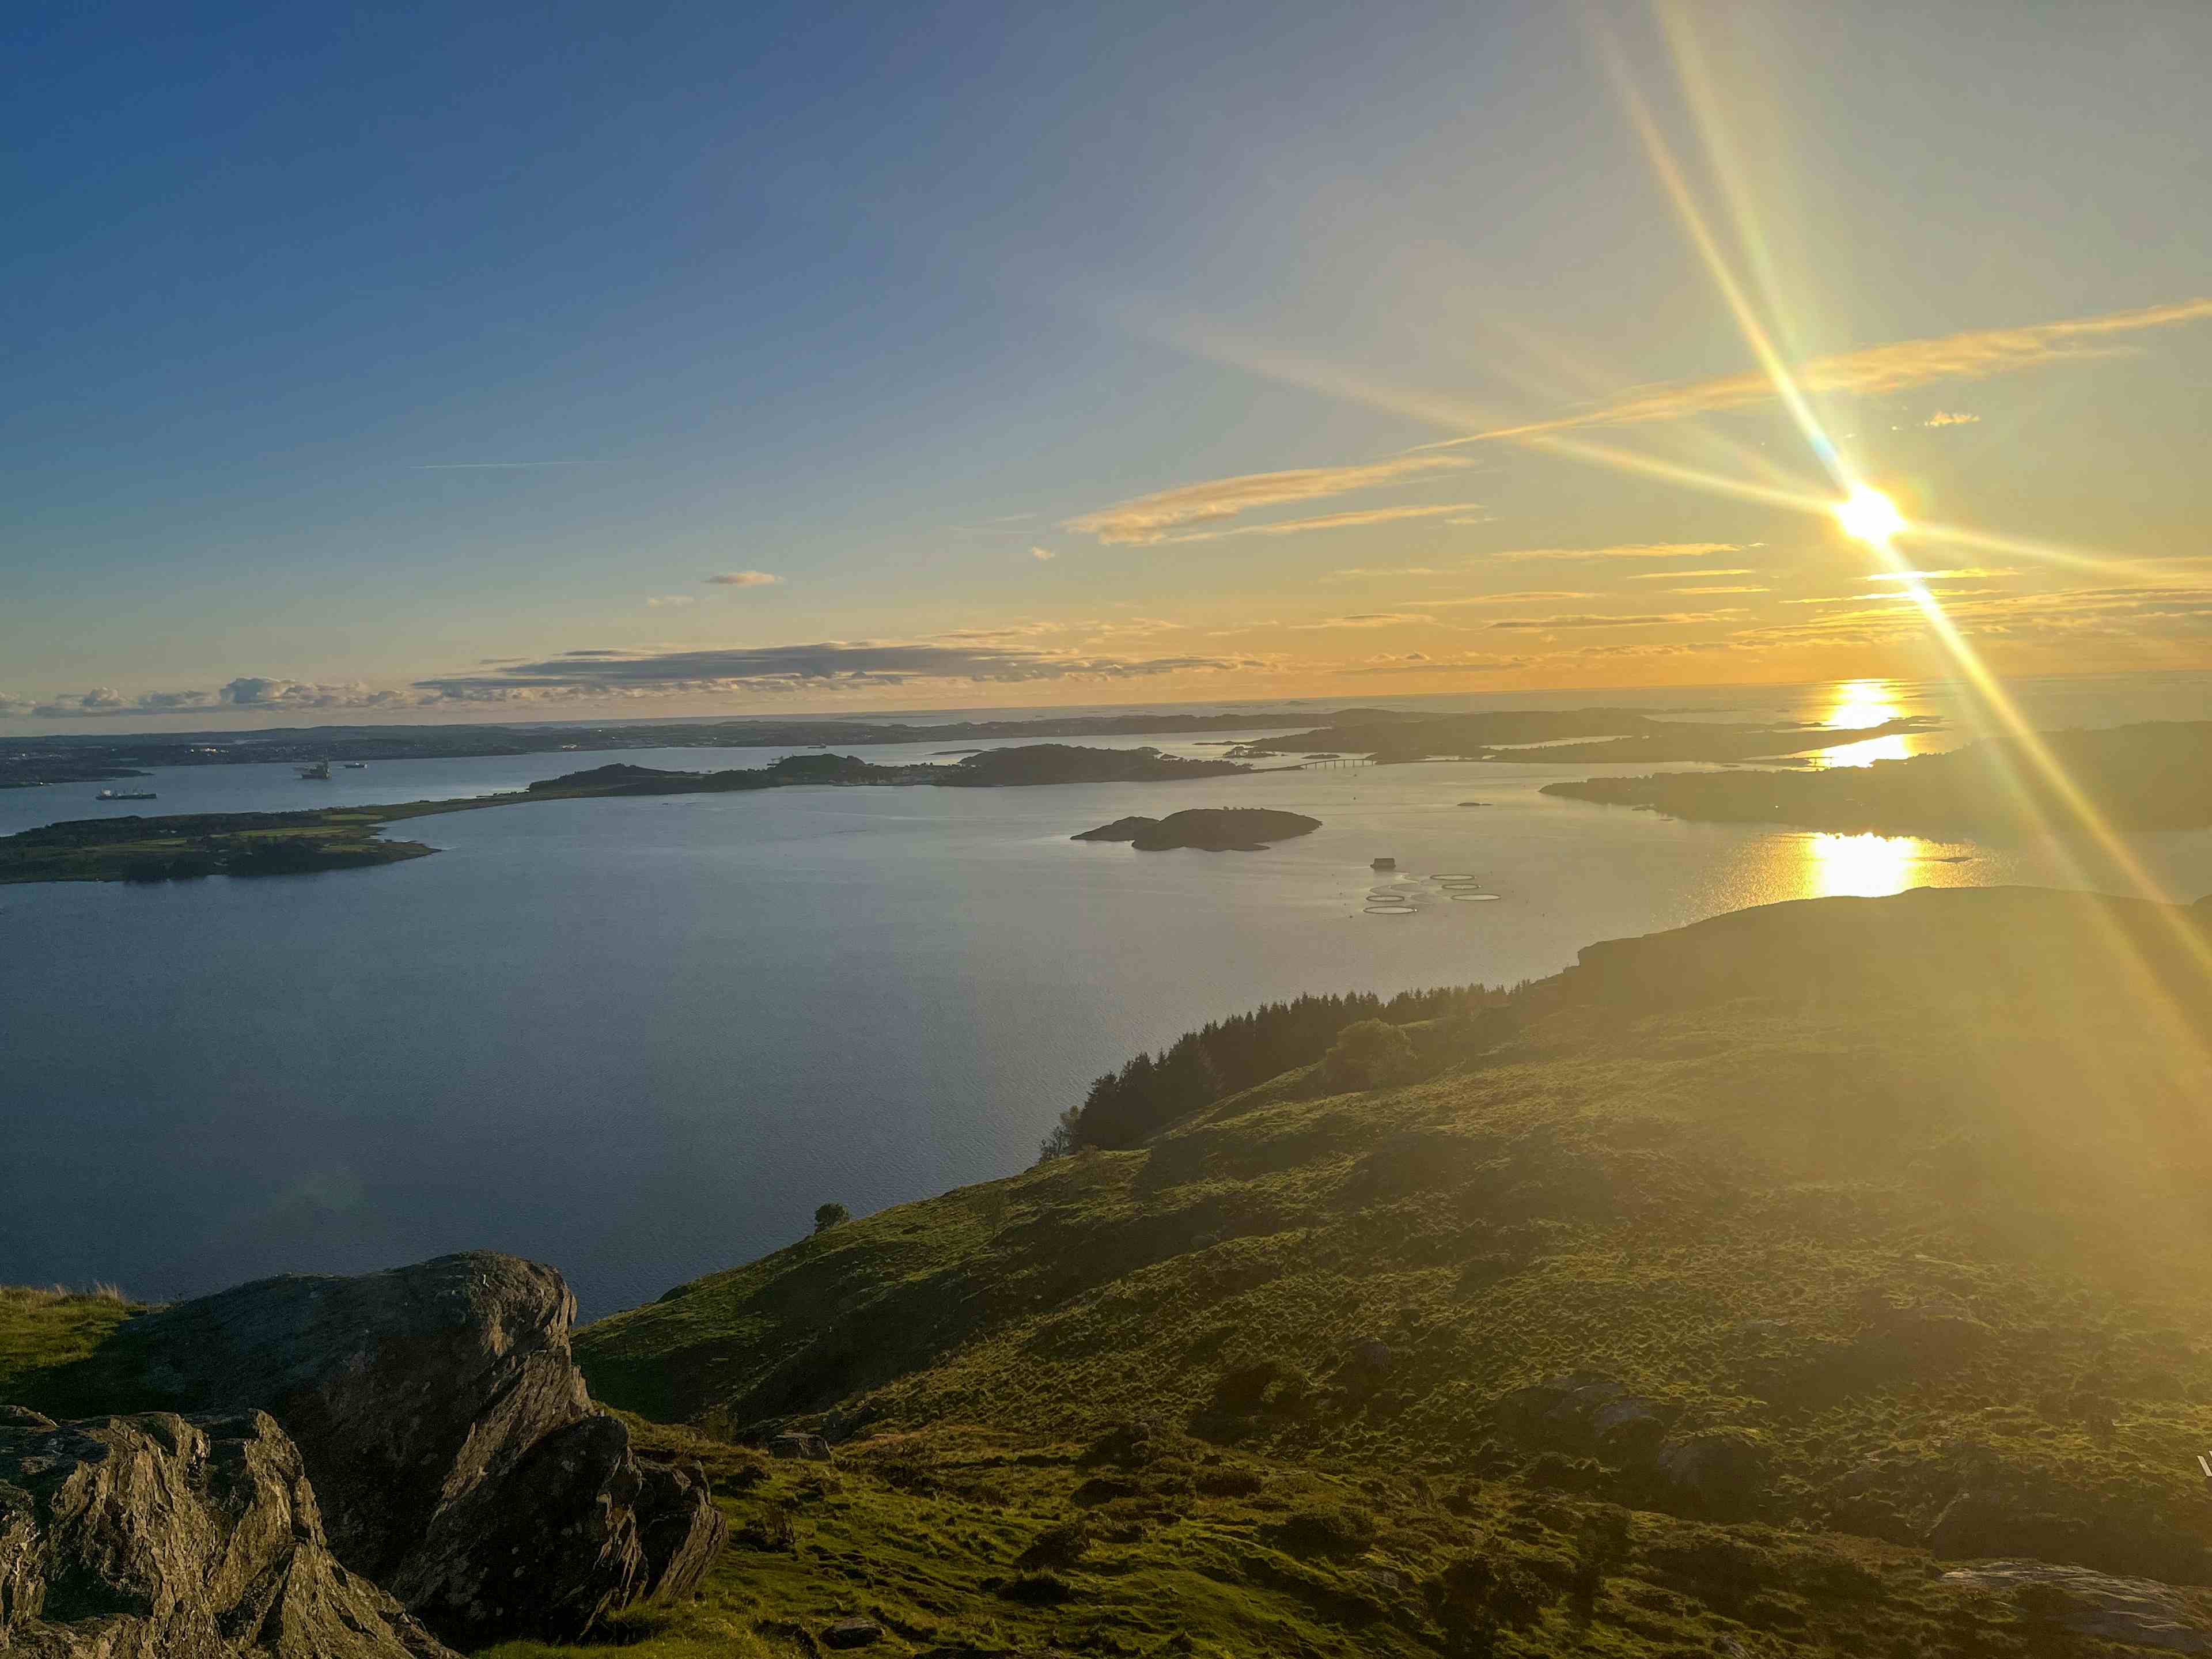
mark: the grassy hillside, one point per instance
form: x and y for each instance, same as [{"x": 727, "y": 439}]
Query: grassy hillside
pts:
[
  {"x": 1904, "y": 1249},
  {"x": 1728, "y": 1295}
]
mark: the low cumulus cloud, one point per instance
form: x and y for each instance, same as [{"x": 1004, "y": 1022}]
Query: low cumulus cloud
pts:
[
  {"x": 986, "y": 656},
  {"x": 248, "y": 692},
  {"x": 744, "y": 579},
  {"x": 828, "y": 665},
  {"x": 1159, "y": 516}
]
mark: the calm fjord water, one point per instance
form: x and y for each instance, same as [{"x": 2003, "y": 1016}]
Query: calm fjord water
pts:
[{"x": 643, "y": 1039}]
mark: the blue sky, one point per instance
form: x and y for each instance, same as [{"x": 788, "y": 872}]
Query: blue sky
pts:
[{"x": 372, "y": 365}]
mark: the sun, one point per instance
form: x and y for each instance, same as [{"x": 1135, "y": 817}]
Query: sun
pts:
[{"x": 1869, "y": 515}]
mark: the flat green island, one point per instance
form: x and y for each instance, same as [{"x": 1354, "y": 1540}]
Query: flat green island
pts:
[
  {"x": 187, "y": 846},
  {"x": 184, "y": 848}
]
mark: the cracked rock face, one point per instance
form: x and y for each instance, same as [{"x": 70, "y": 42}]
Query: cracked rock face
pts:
[
  {"x": 457, "y": 1457},
  {"x": 164, "y": 1537}
]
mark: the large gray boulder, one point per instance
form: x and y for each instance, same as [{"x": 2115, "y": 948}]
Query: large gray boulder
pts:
[
  {"x": 166, "y": 1537},
  {"x": 459, "y": 1460}
]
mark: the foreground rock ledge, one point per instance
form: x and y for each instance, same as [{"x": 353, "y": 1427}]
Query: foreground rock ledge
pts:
[
  {"x": 166, "y": 1537},
  {"x": 459, "y": 1460}
]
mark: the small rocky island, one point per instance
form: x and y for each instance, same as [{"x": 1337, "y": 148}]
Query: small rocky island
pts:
[{"x": 1209, "y": 829}]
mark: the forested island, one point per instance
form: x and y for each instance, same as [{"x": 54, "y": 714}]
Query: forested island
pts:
[
  {"x": 1207, "y": 829},
  {"x": 2153, "y": 776},
  {"x": 188, "y": 845}
]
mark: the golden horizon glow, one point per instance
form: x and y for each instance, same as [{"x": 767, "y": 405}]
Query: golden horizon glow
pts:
[{"x": 1868, "y": 515}]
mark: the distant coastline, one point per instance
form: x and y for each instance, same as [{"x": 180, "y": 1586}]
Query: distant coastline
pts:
[{"x": 187, "y": 846}]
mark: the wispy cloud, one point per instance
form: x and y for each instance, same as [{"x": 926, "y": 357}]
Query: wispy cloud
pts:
[
  {"x": 1325, "y": 522},
  {"x": 1040, "y": 553},
  {"x": 1684, "y": 575},
  {"x": 1629, "y": 551},
  {"x": 1369, "y": 619},
  {"x": 1650, "y": 619},
  {"x": 1959, "y": 572},
  {"x": 1721, "y": 589},
  {"x": 1416, "y": 662},
  {"x": 744, "y": 579},
  {"x": 1951, "y": 418},
  {"x": 1156, "y": 517},
  {"x": 668, "y": 601},
  {"x": 493, "y": 467},
  {"x": 1522, "y": 596},
  {"x": 1876, "y": 371},
  {"x": 1365, "y": 572}
]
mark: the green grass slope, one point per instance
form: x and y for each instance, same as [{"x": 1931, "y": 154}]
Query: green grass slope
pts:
[{"x": 1881, "y": 1222}]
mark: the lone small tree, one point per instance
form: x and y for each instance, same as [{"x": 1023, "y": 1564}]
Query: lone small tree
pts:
[{"x": 830, "y": 1215}]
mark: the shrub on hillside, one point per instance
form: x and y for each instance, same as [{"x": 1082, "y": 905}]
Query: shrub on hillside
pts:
[
  {"x": 830, "y": 1215},
  {"x": 1055, "y": 1546},
  {"x": 1332, "y": 1529},
  {"x": 1369, "y": 1055}
]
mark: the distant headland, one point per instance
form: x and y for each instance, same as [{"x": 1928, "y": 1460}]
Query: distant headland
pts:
[
  {"x": 187, "y": 846},
  {"x": 2153, "y": 776}
]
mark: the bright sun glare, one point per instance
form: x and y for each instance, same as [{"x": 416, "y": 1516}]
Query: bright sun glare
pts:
[{"x": 1869, "y": 514}]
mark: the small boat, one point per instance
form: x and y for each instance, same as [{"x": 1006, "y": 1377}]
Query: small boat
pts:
[
  {"x": 356, "y": 766},
  {"x": 125, "y": 794},
  {"x": 319, "y": 772},
  {"x": 1383, "y": 864}
]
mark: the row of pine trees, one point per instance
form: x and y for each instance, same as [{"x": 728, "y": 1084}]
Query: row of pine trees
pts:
[{"x": 1229, "y": 1055}]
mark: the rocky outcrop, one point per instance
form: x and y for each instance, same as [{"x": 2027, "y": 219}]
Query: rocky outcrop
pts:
[
  {"x": 166, "y": 1537},
  {"x": 459, "y": 1460},
  {"x": 2139, "y": 1612}
]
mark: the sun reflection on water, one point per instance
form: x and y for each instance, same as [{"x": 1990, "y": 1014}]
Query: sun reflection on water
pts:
[
  {"x": 1860, "y": 867},
  {"x": 1860, "y": 704}
]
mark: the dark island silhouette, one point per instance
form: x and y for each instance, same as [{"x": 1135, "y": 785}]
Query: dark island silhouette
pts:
[
  {"x": 1389, "y": 735},
  {"x": 188, "y": 845},
  {"x": 2157, "y": 775},
  {"x": 1612, "y": 736},
  {"x": 1208, "y": 828}
]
